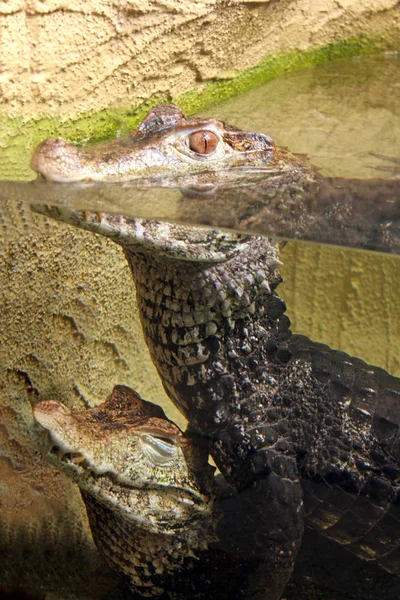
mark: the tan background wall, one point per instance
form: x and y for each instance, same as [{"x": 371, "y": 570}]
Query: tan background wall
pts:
[
  {"x": 68, "y": 322},
  {"x": 67, "y": 57}
]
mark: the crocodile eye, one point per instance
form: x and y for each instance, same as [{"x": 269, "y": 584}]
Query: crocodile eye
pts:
[
  {"x": 160, "y": 450},
  {"x": 203, "y": 142}
]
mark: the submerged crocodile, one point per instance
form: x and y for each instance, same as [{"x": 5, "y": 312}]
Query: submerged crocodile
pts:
[
  {"x": 147, "y": 488},
  {"x": 309, "y": 434}
]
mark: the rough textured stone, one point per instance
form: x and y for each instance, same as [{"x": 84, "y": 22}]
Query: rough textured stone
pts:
[
  {"x": 68, "y": 330},
  {"x": 68, "y": 57}
]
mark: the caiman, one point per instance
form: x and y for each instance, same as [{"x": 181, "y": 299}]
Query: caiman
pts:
[
  {"x": 310, "y": 434},
  {"x": 148, "y": 490}
]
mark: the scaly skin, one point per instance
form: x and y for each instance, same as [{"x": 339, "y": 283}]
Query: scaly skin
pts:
[
  {"x": 147, "y": 488},
  {"x": 283, "y": 416}
]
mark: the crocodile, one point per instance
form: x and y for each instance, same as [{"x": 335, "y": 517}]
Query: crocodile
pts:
[
  {"x": 310, "y": 434},
  {"x": 146, "y": 487}
]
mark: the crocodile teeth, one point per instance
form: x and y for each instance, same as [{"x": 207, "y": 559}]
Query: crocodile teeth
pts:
[
  {"x": 62, "y": 456},
  {"x": 77, "y": 459}
]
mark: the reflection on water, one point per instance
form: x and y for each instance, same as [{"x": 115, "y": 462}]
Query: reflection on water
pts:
[
  {"x": 363, "y": 214},
  {"x": 337, "y": 114},
  {"x": 343, "y": 115}
]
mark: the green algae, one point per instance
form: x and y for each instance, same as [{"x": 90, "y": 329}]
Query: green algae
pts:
[{"x": 20, "y": 135}]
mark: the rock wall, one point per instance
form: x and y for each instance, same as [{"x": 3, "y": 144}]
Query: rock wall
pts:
[{"x": 60, "y": 57}]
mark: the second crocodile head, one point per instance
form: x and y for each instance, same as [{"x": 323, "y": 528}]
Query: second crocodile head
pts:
[{"x": 127, "y": 448}]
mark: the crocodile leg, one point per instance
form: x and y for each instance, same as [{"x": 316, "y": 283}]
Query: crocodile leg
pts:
[{"x": 354, "y": 496}]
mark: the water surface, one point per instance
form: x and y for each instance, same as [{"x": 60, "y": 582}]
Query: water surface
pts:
[{"x": 343, "y": 115}]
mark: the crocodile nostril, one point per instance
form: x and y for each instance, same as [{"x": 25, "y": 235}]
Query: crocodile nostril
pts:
[{"x": 58, "y": 141}]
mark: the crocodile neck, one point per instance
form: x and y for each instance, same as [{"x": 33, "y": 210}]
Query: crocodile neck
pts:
[
  {"x": 214, "y": 331},
  {"x": 222, "y": 345},
  {"x": 145, "y": 558}
]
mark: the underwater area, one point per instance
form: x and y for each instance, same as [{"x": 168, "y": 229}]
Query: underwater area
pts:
[{"x": 341, "y": 281}]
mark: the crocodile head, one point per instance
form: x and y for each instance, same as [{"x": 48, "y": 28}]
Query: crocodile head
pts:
[
  {"x": 193, "y": 154},
  {"x": 166, "y": 143},
  {"x": 130, "y": 458}
]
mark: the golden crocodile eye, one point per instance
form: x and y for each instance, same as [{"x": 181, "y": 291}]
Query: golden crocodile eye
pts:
[{"x": 203, "y": 142}]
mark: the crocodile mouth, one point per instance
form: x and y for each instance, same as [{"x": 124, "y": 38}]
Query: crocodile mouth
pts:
[
  {"x": 68, "y": 457},
  {"x": 83, "y": 467},
  {"x": 84, "y": 470},
  {"x": 108, "y": 488}
]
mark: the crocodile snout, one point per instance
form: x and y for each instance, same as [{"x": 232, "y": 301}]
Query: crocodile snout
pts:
[{"x": 58, "y": 160}]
